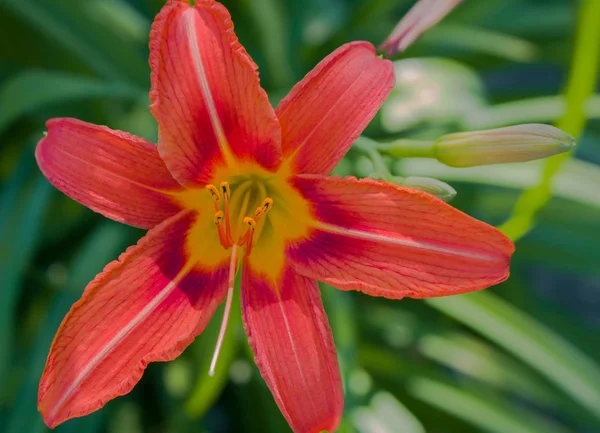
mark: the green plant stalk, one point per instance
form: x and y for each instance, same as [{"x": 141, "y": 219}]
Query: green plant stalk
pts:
[
  {"x": 406, "y": 148},
  {"x": 580, "y": 86},
  {"x": 370, "y": 148}
]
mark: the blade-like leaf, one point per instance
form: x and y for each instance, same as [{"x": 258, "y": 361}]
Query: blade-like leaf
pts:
[
  {"x": 565, "y": 365},
  {"x": 32, "y": 90},
  {"x": 577, "y": 181},
  {"x": 22, "y": 205},
  {"x": 491, "y": 415}
]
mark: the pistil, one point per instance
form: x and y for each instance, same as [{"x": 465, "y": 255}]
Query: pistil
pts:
[
  {"x": 233, "y": 266},
  {"x": 226, "y": 196}
]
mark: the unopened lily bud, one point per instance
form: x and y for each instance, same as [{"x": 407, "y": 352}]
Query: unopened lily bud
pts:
[
  {"x": 423, "y": 15},
  {"x": 434, "y": 187},
  {"x": 495, "y": 146}
]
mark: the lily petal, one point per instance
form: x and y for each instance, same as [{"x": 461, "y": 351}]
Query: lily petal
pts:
[
  {"x": 325, "y": 112},
  {"x": 206, "y": 95},
  {"x": 387, "y": 240},
  {"x": 114, "y": 173},
  {"x": 147, "y": 306},
  {"x": 293, "y": 347}
]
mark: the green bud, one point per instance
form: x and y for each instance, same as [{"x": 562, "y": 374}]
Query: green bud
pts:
[
  {"x": 495, "y": 146},
  {"x": 434, "y": 187}
]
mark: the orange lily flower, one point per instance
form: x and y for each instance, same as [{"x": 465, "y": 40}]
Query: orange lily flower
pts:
[{"x": 235, "y": 184}]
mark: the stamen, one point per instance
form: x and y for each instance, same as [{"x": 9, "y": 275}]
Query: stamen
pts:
[
  {"x": 225, "y": 235},
  {"x": 218, "y": 219},
  {"x": 226, "y": 195},
  {"x": 247, "y": 238},
  {"x": 264, "y": 207},
  {"x": 233, "y": 264}
]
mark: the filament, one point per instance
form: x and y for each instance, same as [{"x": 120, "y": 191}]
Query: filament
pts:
[{"x": 227, "y": 311}]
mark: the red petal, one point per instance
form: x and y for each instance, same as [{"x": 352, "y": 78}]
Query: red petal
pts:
[
  {"x": 293, "y": 348},
  {"x": 206, "y": 95},
  {"x": 147, "y": 306},
  {"x": 392, "y": 241},
  {"x": 325, "y": 112},
  {"x": 111, "y": 172}
]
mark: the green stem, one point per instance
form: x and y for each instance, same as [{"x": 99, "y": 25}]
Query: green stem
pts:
[
  {"x": 369, "y": 147},
  {"x": 407, "y": 148},
  {"x": 580, "y": 86}
]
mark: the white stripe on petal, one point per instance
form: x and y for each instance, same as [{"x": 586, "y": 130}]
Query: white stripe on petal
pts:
[
  {"x": 411, "y": 243},
  {"x": 117, "y": 339},
  {"x": 189, "y": 22}
]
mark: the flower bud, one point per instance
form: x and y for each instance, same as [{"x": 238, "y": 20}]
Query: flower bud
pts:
[
  {"x": 434, "y": 187},
  {"x": 423, "y": 15},
  {"x": 495, "y": 146}
]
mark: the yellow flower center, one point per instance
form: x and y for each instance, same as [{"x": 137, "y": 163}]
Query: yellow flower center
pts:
[
  {"x": 250, "y": 208},
  {"x": 246, "y": 194}
]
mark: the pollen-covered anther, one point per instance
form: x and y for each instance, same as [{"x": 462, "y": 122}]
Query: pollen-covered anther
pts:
[
  {"x": 218, "y": 217},
  {"x": 225, "y": 190},
  {"x": 250, "y": 222},
  {"x": 214, "y": 192},
  {"x": 264, "y": 207}
]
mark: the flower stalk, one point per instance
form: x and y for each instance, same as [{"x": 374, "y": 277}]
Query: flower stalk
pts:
[{"x": 517, "y": 143}]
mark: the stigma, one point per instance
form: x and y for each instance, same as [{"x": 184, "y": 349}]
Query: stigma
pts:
[{"x": 242, "y": 234}]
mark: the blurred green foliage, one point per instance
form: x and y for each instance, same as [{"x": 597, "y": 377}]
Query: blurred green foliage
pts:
[{"x": 521, "y": 357}]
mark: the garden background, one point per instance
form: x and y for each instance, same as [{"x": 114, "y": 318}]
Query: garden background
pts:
[{"x": 522, "y": 357}]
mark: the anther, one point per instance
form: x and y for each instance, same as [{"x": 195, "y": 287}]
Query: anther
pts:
[
  {"x": 250, "y": 222},
  {"x": 264, "y": 207},
  {"x": 225, "y": 190},
  {"x": 214, "y": 192},
  {"x": 218, "y": 217}
]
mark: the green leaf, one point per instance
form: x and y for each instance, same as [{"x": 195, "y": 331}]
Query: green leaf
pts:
[
  {"x": 535, "y": 344},
  {"x": 481, "y": 40},
  {"x": 532, "y": 110},
  {"x": 386, "y": 415},
  {"x": 22, "y": 205},
  {"x": 76, "y": 26},
  {"x": 576, "y": 181},
  {"x": 493, "y": 415},
  {"x": 32, "y": 90},
  {"x": 271, "y": 23}
]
